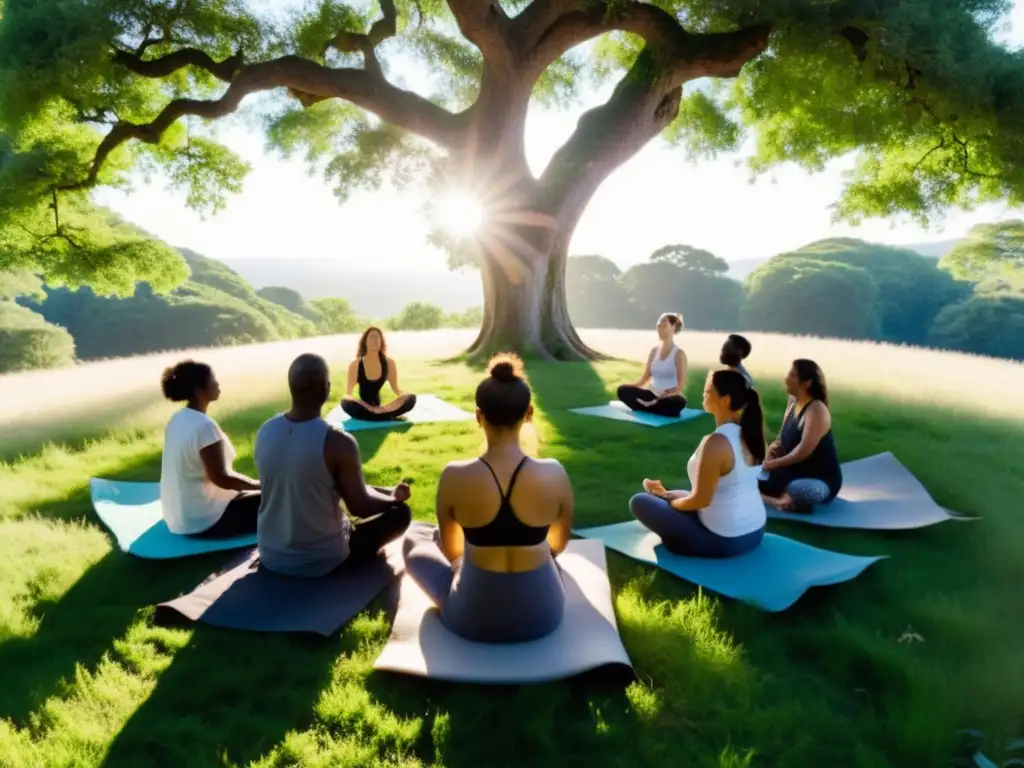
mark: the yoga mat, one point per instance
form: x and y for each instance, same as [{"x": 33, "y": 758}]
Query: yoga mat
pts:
[
  {"x": 587, "y": 639},
  {"x": 772, "y": 577},
  {"x": 879, "y": 494},
  {"x": 619, "y": 411},
  {"x": 132, "y": 513},
  {"x": 252, "y": 598},
  {"x": 428, "y": 408}
]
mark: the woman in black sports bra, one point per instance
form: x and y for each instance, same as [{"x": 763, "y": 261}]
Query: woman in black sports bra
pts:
[
  {"x": 369, "y": 371},
  {"x": 502, "y": 520}
]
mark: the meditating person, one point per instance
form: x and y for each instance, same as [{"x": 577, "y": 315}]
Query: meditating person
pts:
[
  {"x": 802, "y": 467},
  {"x": 200, "y": 493},
  {"x": 735, "y": 350},
  {"x": 308, "y": 470},
  {"x": 369, "y": 371},
  {"x": 723, "y": 515},
  {"x": 502, "y": 520},
  {"x": 666, "y": 370}
]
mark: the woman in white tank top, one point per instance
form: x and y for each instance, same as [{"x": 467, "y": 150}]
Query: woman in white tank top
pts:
[
  {"x": 666, "y": 372},
  {"x": 723, "y": 515}
]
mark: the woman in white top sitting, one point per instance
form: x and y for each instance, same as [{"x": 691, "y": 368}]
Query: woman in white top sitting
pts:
[
  {"x": 723, "y": 516},
  {"x": 200, "y": 493},
  {"x": 666, "y": 370}
]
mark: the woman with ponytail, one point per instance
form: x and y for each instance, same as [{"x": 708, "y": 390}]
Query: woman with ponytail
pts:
[
  {"x": 803, "y": 465},
  {"x": 502, "y": 520},
  {"x": 723, "y": 516}
]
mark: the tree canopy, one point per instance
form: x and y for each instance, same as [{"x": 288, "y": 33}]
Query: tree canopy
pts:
[
  {"x": 694, "y": 259},
  {"x": 95, "y": 90},
  {"x": 989, "y": 252}
]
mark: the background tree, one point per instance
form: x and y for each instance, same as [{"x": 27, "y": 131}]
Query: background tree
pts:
[
  {"x": 984, "y": 325},
  {"x": 911, "y": 287},
  {"x": 28, "y": 342},
  {"x": 990, "y": 252},
  {"x": 595, "y": 294},
  {"x": 417, "y": 316},
  {"x": 817, "y": 298},
  {"x": 693, "y": 259},
  {"x": 470, "y": 318},
  {"x": 918, "y": 86},
  {"x": 707, "y": 300},
  {"x": 335, "y": 316}
]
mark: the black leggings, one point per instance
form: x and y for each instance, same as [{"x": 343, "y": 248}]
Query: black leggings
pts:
[
  {"x": 359, "y": 411},
  {"x": 369, "y": 534},
  {"x": 239, "y": 518},
  {"x": 669, "y": 406}
]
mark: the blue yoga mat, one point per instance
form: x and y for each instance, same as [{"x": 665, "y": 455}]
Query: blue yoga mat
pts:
[
  {"x": 619, "y": 411},
  {"x": 132, "y": 513},
  {"x": 772, "y": 577},
  {"x": 428, "y": 408}
]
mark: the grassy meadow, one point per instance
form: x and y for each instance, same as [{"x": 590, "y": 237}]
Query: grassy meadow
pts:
[{"x": 881, "y": 671}]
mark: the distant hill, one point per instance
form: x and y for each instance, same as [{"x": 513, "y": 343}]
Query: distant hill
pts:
[
  {"x": 373, "y": 293},
  {"x": 935, "y": 250}
]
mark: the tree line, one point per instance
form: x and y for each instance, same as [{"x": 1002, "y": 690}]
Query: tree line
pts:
[
  {"x": 45, "y": 326},
  {"x": 970, "y": 301}
]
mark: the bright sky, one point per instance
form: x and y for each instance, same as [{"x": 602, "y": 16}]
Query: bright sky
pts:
[{"x": 659, "y": 197}]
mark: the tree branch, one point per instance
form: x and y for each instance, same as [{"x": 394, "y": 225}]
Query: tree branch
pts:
[
  {"x": 361, "y": 87},
  {"x": 485, "y": 24},
  {"x": 559, "y": 25},
  {"x": 382, "y": 29},
  {"x": 184, "y": 57}
]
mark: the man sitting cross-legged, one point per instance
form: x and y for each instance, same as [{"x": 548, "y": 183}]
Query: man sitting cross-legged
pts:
[{"x": 307, "y": 469}]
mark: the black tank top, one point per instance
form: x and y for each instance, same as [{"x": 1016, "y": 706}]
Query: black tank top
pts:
[
  {"x": 369, "y": 390},
  {"x": 506, "y": 530},
  {"x": 822, "y": 464}
]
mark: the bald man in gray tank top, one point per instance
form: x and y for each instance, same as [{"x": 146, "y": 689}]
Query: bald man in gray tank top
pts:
[{"x": 310, "y": 474}]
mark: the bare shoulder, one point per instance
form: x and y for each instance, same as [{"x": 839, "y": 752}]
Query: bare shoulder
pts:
[
  {"x": 340, "y": 443},
  {"x": 817, "y": 408},
  {"x": 353, "y": 365},
  {"x": 458, "y": 468}
]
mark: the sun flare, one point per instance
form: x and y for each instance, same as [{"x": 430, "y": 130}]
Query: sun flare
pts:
[{"x": 459, "y": 214}]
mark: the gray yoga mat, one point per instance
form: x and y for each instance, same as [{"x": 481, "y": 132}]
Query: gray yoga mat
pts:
[
  {"x": 249, "y": 597},
  {"x": 588, "y": 638},
  {"x": 878, "y": 494}
]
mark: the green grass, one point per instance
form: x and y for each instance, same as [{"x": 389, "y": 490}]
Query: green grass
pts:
[{"x": 87, "y": 679}]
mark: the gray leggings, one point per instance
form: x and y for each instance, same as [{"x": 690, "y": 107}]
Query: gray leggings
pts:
[
  {"x": 683, "y": 533},
  {"x": 486, "y": 606}
]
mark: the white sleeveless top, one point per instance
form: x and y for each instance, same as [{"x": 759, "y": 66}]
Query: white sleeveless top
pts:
[
  {"x": 736, "y": 508},
  {"x": 663, "y": 372}
]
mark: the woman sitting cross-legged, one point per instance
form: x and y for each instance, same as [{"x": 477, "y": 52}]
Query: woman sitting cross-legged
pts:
[
  {"x": 802, "y": 468},
  {"x": 369, "y": 371},
  {"x": 723, "y": 516},
  {"x": 200, "y": 494},
  {"x": 502, "y": 519},
  {"x": 666, "y": 370}
]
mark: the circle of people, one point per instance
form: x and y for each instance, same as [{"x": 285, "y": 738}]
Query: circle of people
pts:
[{"x": 503, "y": 518}]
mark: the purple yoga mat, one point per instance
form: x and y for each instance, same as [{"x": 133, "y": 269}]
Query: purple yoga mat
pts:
[{"x": 246, "y": 596}]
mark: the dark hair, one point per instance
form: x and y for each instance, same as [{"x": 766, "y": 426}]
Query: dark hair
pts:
[
  {"x": 179, "y": 384},
  {"x": 808, "y": 370},
  {"x": 504, "y": 396},
  {"x": 742, "y": 345},
  {"x": 675, "y": 318},
  {"x": 361, "y": 351},
  {"x": 743, "y": 397}
]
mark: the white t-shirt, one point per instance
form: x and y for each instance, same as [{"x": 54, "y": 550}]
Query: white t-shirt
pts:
[{"x": 191, "y": 503}]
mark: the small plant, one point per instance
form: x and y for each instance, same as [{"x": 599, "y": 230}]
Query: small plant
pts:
[{"x": 970, "y": 755}]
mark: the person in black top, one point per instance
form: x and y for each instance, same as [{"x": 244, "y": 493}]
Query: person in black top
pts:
[
  {"x": 502, "y": 520},
  {"x": 369, "y": 371},
  {"x": 802, "y": 468}
]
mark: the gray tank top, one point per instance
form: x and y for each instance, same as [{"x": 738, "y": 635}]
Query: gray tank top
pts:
[{"x": 302, "y": 529}]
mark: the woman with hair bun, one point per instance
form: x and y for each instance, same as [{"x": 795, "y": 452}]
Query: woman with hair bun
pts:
[
  {"x": 502, "y": 519},
  {"x": 803, "y": 468},
  {"x": 665, "y": 369},
  {"x": 723, "y": 515},
  {"x": 200, "y": 493}
]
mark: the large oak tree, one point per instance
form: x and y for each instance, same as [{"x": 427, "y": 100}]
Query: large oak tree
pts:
[{"x": 94, "y": 88}]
